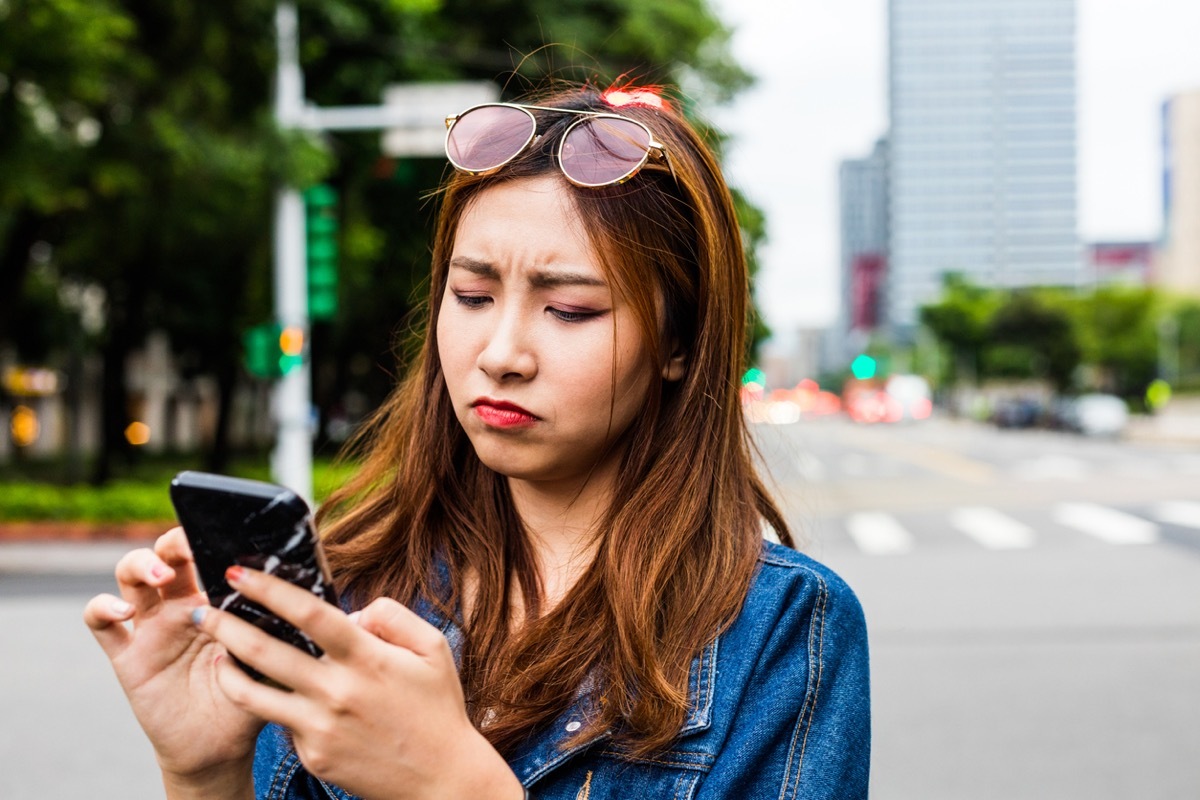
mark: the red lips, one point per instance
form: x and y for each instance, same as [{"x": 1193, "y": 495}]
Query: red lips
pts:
[{"x": 502, "y": 414}]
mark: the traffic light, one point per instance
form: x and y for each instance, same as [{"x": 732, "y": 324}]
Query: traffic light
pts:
[
  {"x": 321, "y": 226},
  {"x": 863, "y": 367},
  {"x": 272, "y": 351}
]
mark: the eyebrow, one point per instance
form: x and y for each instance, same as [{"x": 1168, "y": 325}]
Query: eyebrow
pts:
[{"x": 542, "y": 279}]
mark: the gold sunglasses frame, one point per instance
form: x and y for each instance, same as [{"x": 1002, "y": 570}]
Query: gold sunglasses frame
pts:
[{"x": 653, "y": 146}]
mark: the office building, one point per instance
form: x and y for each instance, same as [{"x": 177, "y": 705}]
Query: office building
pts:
[
  {"x": 1177, "y": 267},
  {"x": 863, "y": 218},
  {"x": 982, "y": 147}
]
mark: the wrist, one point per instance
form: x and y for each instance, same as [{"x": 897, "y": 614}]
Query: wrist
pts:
[
  {"x": 490, "y": 776},
  {"x": 230, "y": 781}
]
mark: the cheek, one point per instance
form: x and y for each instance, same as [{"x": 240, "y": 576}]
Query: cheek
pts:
[{"x": 451, "y": 353}]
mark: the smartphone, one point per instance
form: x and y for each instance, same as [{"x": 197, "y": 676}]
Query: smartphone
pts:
[{"x": 253, "y": 524}]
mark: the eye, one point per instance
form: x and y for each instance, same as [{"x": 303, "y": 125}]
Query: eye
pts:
[
  {"x": 472, "y": 300},
  {"x": 573, "y": 316}
]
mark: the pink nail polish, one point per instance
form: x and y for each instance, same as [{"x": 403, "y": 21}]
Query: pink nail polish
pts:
[
  {"x": 158, "y": 571},
  {"x": 235, "y": 574}
]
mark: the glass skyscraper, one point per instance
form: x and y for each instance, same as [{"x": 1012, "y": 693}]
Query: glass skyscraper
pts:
[{"x": 982, "y": 155}]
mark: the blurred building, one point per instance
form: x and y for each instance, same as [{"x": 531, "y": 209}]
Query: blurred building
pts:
[
  {"x": 982, "y": 147},
  {"x": 863, "y": 219},
  {"x": 1125, "y": 263},
  {"x": 1177, "y": 266}
]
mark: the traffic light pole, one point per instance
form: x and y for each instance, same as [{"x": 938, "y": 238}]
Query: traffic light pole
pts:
[{"x": 291, "y": 461}]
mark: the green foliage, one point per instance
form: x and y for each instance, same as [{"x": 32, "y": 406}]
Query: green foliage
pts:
[
  {"x": 137, "y": 140},
  {"x": 142, "y": 496},
  {"x": 1029, "y": 338},
  {"x": 1114, "y": 333},
  {"x": 1117, "y": 329}
]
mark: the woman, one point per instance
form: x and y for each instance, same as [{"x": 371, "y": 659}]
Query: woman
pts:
[{"x": 556, "y": 539}]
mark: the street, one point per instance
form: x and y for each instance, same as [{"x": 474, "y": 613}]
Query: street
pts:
[{"x": 1033, "y": 600}]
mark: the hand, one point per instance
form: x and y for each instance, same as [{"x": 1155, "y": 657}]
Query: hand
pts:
[
  {"x": 381, "y": 714},
  {"x": 166, "y": 667}
]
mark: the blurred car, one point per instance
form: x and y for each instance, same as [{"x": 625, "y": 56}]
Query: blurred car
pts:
[
  {"x": 1017, "y": 412},
  {"x": 1094, "y": 415}
]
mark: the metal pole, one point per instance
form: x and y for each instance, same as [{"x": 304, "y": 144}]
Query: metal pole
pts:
[{"x": 291, "y": 461}]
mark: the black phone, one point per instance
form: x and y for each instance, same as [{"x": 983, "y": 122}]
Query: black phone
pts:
[{"x": 252, "y": 524}]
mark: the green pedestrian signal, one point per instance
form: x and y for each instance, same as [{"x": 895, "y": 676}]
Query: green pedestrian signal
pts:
[
  {"x": 272, "y": 351},
  {"x": 863, "y": 367},
  {"x": 321, "y": 226}
]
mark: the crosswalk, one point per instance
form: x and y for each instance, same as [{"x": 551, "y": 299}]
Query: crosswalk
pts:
[
  {"x": 879, "y": 533},
  {"x": 1063, "y": 469}
]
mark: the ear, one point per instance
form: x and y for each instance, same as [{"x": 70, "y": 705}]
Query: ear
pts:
[{"x": 676, "y": 366}]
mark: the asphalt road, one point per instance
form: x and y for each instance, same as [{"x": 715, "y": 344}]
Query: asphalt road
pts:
[{"x": 1033, "y": 600}]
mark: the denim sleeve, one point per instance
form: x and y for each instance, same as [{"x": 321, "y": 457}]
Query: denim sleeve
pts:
[{"x": 802, "y": 725}]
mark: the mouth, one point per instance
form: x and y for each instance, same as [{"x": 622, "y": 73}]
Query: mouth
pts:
[{"x": 502, "y": 414}]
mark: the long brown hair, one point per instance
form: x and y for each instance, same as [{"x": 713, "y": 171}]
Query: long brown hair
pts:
[{"x": 679, "y": 544}]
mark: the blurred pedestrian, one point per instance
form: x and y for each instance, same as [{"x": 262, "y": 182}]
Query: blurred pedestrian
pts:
[{"x": 555, "y": 544}]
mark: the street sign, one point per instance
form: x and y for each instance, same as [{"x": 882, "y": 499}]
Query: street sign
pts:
[{"x": 428, "y": 105}]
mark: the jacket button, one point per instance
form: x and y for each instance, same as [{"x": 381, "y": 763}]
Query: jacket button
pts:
[{"x": 573, "y": 726}]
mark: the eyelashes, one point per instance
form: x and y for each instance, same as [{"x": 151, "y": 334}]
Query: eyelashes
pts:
[{"x": 474, "y": 301}]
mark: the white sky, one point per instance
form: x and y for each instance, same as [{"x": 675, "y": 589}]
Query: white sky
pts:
[{"x": 822, "y": 97}]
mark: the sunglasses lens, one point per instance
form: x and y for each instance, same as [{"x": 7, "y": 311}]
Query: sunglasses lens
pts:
[
  {"x": 487, "y": 137},
  {"x": 604, "y": 150}
]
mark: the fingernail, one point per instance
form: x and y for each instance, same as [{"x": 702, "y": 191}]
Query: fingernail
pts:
[
  {"x": 235, "y": 574},
  {"x": 354, "y": 617},
  {"x": 158, "y": 571},
  {"x": 198, "y": 614},
  {"x": 120, "y": 608}
]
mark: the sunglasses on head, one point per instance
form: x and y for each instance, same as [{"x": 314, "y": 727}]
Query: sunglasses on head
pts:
[{"x": 598, "y": 149}]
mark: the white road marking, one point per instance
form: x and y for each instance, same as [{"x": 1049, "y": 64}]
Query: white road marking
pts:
[
  {"x": 1062, "y": 468},
  {"x": 1107, "y": 524},
  {"x": 878, "y": 534},
  {"x": 1183, "y": 513},
  {"x": 992, "y": 529}
]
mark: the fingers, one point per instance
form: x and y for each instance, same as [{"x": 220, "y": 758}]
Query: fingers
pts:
[
  {"x": 104, "y": 614},
  {"x": 325, "y": 623},
  {"x": 264, "y": 702},
  {"x": 396, "y": 624},
  {"x": 174, "y": 551},
  {"x": 255, "y": 647},
  {"x": 140, "y": 575}
]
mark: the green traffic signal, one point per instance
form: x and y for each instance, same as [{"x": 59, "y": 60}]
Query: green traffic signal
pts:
[
  {"x": 272, "y": 351},
  {"x": 321, "y": 226},
  {"x": 863, "y": 367}
]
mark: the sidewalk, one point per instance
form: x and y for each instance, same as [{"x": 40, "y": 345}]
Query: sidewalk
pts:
[
  {"x": 1178, "y": 423},
  {"x": 62, "y": 558},
  {"x": 71, "y": 548}
]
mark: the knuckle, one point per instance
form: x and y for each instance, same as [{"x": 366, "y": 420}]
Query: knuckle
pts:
[
  {"x": 340, "y": 699},
  {"x": 308, "y": 616},
  {"x": 315, "y": 759},
  {"x": 173, "y": 544},
  {"x": 252, "y": 651},
  {"x": 128, "y": 563}
]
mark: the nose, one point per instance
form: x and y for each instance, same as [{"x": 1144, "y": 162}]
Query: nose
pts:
[{"x": 507, "y": 354}]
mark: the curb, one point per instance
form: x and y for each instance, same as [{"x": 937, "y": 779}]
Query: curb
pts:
[{"x": 74, "y": 531}]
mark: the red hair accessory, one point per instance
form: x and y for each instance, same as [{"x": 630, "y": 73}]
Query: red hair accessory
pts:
[{"x": 634, "y": 97}]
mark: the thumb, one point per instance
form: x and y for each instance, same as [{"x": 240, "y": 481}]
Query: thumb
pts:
[{"x": 395, "y": 624}]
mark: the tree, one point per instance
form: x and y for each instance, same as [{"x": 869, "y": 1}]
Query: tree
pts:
[
  {"x": 959, "y": 321},
  {"x": 1028, "y": 338},
  {"x": 1119, "y": 337},
  {"x": 136, "y": 142}
]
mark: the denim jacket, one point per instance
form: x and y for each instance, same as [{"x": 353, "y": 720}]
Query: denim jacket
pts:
[{"x": 779, "y": 708}]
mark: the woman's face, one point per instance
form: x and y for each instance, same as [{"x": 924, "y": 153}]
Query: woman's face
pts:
[{"x": 532, "y": 340}]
